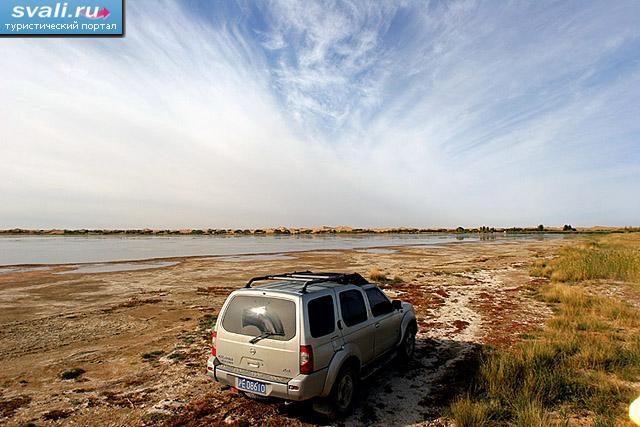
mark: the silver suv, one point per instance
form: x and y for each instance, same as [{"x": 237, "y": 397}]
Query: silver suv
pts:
[{"x": 309, "y": 336}]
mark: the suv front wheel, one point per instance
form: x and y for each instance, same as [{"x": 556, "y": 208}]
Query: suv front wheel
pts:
[{"x": 408, "y": 345}]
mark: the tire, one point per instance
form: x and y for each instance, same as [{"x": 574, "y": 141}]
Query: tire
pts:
[
  {"x": 407, "y": 347},
  {"x": 341, "y": 400}
]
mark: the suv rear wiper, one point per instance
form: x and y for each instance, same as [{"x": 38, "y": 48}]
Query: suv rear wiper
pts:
[{"x": 265, "y": 335}]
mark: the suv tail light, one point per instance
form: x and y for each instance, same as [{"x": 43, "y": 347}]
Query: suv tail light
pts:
[
  {"x": 306, "y": 359},
  {"x": 214, "y": 335}
]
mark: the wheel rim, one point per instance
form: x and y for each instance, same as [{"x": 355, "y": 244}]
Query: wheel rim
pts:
[
  {"x": 410, "y": 344},
  {"x": 345, "y": 392}
]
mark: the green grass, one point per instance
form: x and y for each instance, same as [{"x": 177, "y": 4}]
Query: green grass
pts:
[
  {"x": 469, "y": 413},
  {"x": 584, "y": 359},
  {"x": 614, "y": 258}
]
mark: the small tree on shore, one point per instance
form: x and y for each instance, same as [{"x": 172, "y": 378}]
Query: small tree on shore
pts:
[{"x": 540, "y": 227}]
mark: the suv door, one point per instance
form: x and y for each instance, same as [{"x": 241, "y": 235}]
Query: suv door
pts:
[
  {"x": 356, "y": 324},
  {"x": 322, "y": 332},
  {"x": 386, "y": 320}
]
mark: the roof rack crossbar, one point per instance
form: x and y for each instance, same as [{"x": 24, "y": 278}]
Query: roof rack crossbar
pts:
[
  {"x": 315, "y": 276},
  {"x": 310, "y": 278},
  {"x": 311, "y": 282},
  {"x": 284, "y": 276}
]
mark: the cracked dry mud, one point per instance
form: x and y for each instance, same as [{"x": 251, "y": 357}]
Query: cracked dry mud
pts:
[{"x": 142, "y": 337}]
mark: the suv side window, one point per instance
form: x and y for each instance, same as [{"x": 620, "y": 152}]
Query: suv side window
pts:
[
  {"x": 352, "y": 307},
  {"x": 322, "y": 320},
  {"x": 379, "y": 303}
]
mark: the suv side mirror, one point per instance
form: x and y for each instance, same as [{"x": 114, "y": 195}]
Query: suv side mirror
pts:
[{"x": 397, "y": 304}]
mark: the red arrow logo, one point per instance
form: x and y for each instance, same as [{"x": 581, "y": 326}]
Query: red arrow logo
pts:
[{"x": 104, "y": 13}]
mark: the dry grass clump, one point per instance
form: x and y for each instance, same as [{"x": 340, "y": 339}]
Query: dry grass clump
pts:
[
  {"x": 469, "y": 413},
  {"x": 584, "y": 361},
  {"x": 377, "y": 275}
]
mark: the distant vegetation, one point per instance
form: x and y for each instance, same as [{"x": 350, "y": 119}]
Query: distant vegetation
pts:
[
  {"x": 585, "y": 361},
  {"x": 317, "y": 230}
]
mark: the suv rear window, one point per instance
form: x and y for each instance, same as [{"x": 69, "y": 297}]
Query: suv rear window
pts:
[
  {"x": 352, "y": 307},
  {"x": 322, "y": 320},
  {"x": 256, "y": 315}
]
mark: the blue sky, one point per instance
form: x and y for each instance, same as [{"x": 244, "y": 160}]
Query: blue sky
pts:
[{"x": 256, "y": 114}]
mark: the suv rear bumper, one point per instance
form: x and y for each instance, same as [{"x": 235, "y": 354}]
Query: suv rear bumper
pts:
[{"x": 301, "y": 387}]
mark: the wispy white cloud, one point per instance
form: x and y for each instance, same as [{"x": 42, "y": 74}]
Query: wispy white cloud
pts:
[{"x": 379, "y": 113}]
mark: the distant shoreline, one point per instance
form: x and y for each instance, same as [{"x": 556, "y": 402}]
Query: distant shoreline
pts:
[{"x": 283, "y": 231}]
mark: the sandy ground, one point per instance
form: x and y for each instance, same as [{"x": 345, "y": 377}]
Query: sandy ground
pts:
[{"x": 465, "y": 295}]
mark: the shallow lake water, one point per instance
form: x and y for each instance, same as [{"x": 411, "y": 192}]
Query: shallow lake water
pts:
[
  {"x": 264, "y": 257},
  {"x": 24, "y": 269},
  {"x": 118, "y": 266},
  {"x": 381, "y": 251},
  {"x": 17, "y": 250}
]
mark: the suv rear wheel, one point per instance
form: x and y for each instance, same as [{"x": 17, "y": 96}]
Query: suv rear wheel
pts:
[
  {"x": 343, "y": 395},
  {"x": 344, "y": 391}
]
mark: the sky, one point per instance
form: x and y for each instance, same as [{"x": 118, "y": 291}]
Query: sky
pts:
[{"x": 297, "y": 113}]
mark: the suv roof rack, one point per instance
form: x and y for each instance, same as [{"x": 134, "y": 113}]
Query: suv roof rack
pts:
[{"x": 311, "y": 278}]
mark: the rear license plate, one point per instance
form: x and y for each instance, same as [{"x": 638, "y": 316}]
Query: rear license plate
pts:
[{"x": 252, "y": 386}]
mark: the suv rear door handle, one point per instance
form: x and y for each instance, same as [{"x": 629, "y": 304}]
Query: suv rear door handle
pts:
[{"x": 377, "y": 324}]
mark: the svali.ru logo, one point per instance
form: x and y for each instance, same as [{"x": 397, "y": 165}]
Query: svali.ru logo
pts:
[
  {"x": 60, "y": 18},
  {"x": 60, "y": 10}
]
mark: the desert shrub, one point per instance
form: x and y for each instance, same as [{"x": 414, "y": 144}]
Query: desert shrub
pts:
[
  {"x": 72, "y": 373},
  {"x": 152, "y": 355},
  {"x": 56, "y": 414}
]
